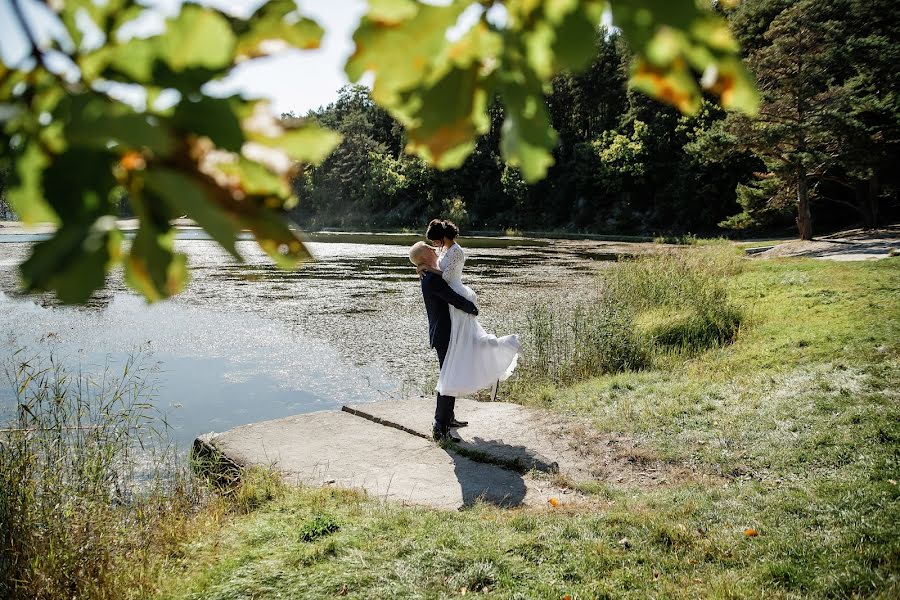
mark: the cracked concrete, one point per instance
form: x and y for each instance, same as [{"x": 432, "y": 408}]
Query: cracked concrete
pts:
[
  {"x": 510, "y": 455},
  {"x": 342, "y": 449}
]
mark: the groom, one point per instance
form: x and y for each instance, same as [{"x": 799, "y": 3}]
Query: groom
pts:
[{"x": 437, "y": 296}]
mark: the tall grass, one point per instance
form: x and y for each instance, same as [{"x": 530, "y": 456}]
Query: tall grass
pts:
[
  {"x": 657, "y": 303},
  {"x": 88, "y": 481},
  {"x": 567, "y": 344},
  {"x": 679, "y": 297}
]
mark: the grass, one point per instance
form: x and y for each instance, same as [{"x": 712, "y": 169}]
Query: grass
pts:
[
  {"x": 794, "y": 425},
  {"x": 791, "y": 424},
  {"x": 94, "y": 500},
  {"x": 651, "y": 305},
  {"x": 67, "y": 477}
]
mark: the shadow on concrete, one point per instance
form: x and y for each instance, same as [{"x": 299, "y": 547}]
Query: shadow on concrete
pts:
[
  {"x": 487, "y": 482},
  {"x": 517, "y": 457}
]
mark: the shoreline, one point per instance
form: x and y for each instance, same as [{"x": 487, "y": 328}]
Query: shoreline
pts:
[
  {"x": 847, "y": 245},
  {"x": 19, "y": 228}
]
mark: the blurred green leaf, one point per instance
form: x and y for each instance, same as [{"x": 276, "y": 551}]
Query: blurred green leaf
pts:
[
  {"x": 307, "y": 143},
  {"x": 152, "y": 268},
  {"x": 275, "y": 26},
  {"x": 79, "y": 185},
  {"x": 96, "y": 122},
  {"x": 274, "y": 236},
  {"x": 186, "y": 196},
  {"x": 399, "y": 53},
  {"x": 25, "y": 193},
  {"x": 675, "y": 86},
  {"x": 212, "y": 117},
  {"x": 197, "y": 37},
  {"x": 527, "y": 134},
  {"x": 734, "y": 85},
  {"x": 255, "y": 179},
  {"x": 457, "y": 113},
  {"x": 676, "y": 43},
  {"x": 73, "y": 263},
  {"x": 391, "y": 12},
  {"x": 575, "y": 34},
  {"x": 641, "y": 19},
  {"x": 134, "y": 59}
]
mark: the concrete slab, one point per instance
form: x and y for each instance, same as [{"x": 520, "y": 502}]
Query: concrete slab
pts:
[
  {"x": 339, "y": 448},
  {"x": 507, "y": 433}
]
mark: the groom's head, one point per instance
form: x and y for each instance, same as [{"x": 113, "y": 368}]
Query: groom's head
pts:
[{"x": 422, "y": 254}]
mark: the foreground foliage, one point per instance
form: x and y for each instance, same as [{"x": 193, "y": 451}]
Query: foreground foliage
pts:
[
  {"x": 790, "y": 437},
  {"x": 75, "y": 148}
]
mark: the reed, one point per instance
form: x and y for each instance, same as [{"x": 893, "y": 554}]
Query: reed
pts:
[
  {"x": 656, "y": 304},
  {"x": 565, "y": 344},
  {"x": 680, "y": 297},
  {"x": 89, "y": 481}
]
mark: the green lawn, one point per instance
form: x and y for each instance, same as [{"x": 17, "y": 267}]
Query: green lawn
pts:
[{"x": 793, "y": 430}]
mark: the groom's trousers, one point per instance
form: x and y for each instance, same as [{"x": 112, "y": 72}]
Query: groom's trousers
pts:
[{"x": 443, "y": 413}]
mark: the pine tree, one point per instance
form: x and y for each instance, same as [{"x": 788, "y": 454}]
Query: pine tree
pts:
[
  {"x": 864, "y": 116},
  {"x": 829, "y": 124},
  {"x": 792, "y": 70}
]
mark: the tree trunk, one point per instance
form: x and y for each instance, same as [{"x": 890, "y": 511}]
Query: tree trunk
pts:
[
  {"x": 804, "y": 215},
  {"x": 872, "y": 201},
  {"x": 863, "y": 205}
]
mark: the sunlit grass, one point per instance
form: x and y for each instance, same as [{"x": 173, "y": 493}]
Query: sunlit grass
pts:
[
  {"x": 795, "y": 425},
  {"x": 646, "y": 307}
]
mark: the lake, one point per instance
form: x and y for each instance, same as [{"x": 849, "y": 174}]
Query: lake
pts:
[{"x": 249, "y": 342}]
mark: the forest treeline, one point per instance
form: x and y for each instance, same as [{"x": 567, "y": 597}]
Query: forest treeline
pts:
[
  {"x": 823, "y": 149},
  {"x": 821, "y": 155}
]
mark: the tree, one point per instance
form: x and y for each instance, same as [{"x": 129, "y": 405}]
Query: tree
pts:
[
  {"x": 864, "y": 115},
  {"x": 74, "y": 145},
  {"x": 792, "y": 70},
  {"x": 6, "y": 211},
  {"x": 829, "y": 122}
]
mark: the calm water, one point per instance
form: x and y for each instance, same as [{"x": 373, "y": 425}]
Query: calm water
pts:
[{"x": 248, "y": 342}]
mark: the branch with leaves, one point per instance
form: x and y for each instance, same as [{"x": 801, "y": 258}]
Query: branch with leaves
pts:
[{"x": 75, "y": 149}]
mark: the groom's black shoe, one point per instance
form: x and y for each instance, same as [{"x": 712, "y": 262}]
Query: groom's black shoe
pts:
[
  {"x": 443, "y": 434},
  {"x": 455, "y": 423}
]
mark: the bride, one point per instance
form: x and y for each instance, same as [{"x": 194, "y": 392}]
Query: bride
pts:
[{"x": 475, "y": 359}]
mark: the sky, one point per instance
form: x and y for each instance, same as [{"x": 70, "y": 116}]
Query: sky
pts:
[
  {"x": 294, "y": 80},
  {"x": 301, "y": 80}
]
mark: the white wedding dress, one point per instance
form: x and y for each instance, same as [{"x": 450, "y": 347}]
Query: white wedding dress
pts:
[{"x": 475, "y": 359}]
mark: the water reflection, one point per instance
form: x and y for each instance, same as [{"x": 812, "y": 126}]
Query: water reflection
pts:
[{"x": 247, "y": 341}]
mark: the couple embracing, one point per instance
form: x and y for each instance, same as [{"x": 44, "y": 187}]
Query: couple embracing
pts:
[{"x": 470, "y": 358}]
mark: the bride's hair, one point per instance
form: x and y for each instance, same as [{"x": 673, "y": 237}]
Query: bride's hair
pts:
[{"x": 438, "y": 230}]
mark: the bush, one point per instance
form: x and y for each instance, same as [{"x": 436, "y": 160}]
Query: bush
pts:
[
  {"x": 679, "y": 297},
  {"x": 317, "y": 527},
  {"x": 683, "y": 240},
  {"x": 454, "y": 209},
  {"x": 674, "y": 300}
]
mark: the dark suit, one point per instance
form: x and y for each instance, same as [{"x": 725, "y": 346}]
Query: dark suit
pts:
[{"x": 438, "y": 296}]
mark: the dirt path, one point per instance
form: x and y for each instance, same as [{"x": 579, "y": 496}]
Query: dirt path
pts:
[{"x": 854, "y": 244}]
